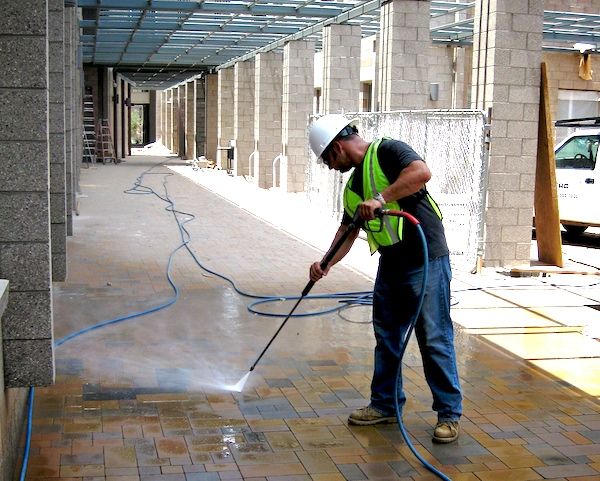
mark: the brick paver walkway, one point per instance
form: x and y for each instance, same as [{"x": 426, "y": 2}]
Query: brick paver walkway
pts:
[{"x": 147, "y": 399}]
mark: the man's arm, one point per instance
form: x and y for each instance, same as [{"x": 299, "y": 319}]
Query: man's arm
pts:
[
  {"x": 315, "y": 269},
  {"x": 410, "y": 180}
]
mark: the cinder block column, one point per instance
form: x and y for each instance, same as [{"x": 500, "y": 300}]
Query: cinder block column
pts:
[
  {"x": 268, "y": 69},
  {"x": 506, "y": 79},
  {"x": 181, "y": 120},
  {"x": 341, "y": 68},
  {"x": 243, "y": 111},
  {"x": 225, "y": 123},
  {"x": 190, "y": 121},
  {"x": 69, "y": 121},
  {"x": 56, "y": 89},
  {"x": 298, "y": 77},
  {"x": 25, "y": 258},
  {"x": 403, "y": 49},
  {"x": 211, "y": 86},
  {"x": 201, "y": 117},
  {"x": 169, "y": 143}
]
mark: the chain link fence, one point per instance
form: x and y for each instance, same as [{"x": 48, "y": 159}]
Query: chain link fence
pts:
[{"x": 452, "y": 142}]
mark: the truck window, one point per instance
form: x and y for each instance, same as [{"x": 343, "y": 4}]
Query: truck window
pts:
[{"x": 578, "y": 153}]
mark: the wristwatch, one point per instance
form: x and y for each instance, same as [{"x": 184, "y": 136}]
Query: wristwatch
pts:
[{"x": 380, "y": 198}]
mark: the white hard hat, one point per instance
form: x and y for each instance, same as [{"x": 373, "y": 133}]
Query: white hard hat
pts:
[{"x": 324, "y": 130}]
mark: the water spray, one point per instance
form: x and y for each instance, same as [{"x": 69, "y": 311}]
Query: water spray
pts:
[{"x": 355, "y": 224}]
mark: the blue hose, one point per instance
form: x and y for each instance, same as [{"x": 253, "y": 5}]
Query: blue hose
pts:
[{"x": 403, "y": 346}]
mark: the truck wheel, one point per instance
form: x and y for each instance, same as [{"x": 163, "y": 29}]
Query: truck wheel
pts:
[{"x": 575, "y": 229}]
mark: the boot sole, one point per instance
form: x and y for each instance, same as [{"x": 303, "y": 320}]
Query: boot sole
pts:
[
  {"x": 386, "y": 420},
  {"x": 444, "y": 440}
]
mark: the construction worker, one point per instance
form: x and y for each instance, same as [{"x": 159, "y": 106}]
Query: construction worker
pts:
[{"x": 390, "y": 174}]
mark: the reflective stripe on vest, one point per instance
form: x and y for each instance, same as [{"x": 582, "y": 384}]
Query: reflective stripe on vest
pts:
[{"x": 374, "y": 182}]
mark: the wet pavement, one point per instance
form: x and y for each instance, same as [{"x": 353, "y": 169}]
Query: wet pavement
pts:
[{"x": 150, "y": 399}]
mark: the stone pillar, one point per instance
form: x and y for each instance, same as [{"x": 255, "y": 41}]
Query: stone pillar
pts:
[
  {"x": 507, "y": 51},
  {"x": 24, "y": 194},
  {"x": 169, "y": 133},
  {"x": 190, "y": 127},
  {"x": 175, "y": 109},
  {"x": 298, "y": 92},
  {"x": 403, "y": 48},
  {"x": 201, "y": 116},
  {"x": 211, "y": 92},
  {"x": 341, "y": 68},
  {"x": 69, "y": 121},
  {"x": 225, "y": 114},
  {"x": 181, "y": 120},
  {"x": 268, "y": 88},
  {"x": 56, "y": 92},
  {"x": 243, "y": 112}
]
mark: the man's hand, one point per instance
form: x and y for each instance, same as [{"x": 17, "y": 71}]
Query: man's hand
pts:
[
  {"x": 316, "y": 272},
  {"x": 368, "y": 207}
]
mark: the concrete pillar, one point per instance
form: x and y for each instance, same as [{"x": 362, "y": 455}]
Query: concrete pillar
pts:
[
  {"x": 170, "y": 119},
  {"x": 25, "y": 194},
  {"x": 298, "y": 74},
  {"x": 118, "y": 126},
  {"x": 507, "y": 51},
  {"x": 165, "y": 115},
  {"x": 243, "y": 112},
  {"x": 201, "y": 116},
  {"x": 155, "y": 116},
  {"x": 403, "y": 48},
  {"x": 69, "y": 121},
  {"x": 175, "y": 141},
  {"x": 211, "y": 92},
  {"x": 56, "y": 92},
  {"x": 190, "y": 127},
  {"x": 341, "y": 68},
  {"x": 225, "y": 114},
  {"x": 268, "y": 88},
  {"x": 181, "y": 120}
]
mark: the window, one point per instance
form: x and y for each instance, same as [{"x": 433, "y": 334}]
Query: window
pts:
[{"x": 579, "y": 152}]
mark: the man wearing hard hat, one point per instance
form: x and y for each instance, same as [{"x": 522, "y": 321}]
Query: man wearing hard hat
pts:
[{"x": 390, "y": 174}]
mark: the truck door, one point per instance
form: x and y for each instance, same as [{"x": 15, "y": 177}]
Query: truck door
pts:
[{"x": 577, "y": 180}]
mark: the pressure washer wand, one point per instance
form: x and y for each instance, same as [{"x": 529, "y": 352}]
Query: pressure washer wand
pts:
[{"x": 355, "y": 224}]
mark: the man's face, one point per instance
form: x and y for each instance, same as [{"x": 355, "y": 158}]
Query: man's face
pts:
[{"x": 335, "y": 158}]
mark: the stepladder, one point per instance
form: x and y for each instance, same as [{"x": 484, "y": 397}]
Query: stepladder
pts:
[{"x": 105, "y": 147}]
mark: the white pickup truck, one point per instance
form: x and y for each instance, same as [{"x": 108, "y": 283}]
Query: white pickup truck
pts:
[{"x": 578, "y": 179}]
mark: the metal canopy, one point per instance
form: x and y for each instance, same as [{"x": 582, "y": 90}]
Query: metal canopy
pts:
[{"x": 159, "y": 43}]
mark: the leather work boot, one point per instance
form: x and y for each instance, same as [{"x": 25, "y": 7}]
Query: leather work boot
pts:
[
  {"x": 369, "y": 415},
  {"x": 445, "y": 432}
]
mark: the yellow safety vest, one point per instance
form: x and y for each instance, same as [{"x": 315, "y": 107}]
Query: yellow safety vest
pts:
[{"x": 374, "y": 182}]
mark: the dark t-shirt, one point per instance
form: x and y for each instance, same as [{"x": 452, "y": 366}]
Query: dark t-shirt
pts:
[{"x": 395, "y": 155}]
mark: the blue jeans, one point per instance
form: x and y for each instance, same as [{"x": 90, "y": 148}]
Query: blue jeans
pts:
[{"x": 395, "y": 300}]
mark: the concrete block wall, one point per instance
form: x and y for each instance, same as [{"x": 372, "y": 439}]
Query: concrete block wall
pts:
[
  {"x": 211, "y": 87},
  {"x": 190, "y": 119},
  {"x": 12, "y": 409},
  {"x": 169, "y": 132},
  {"x": 508, "y": 83},
  {"x": 175, "y": 122},
  {"x": 243, "y": 112},
  {"x": 298, "y": 73},
  {"x": 69, "y": 115},
  {"x": 341, "y": 68},
  {"x": 201, "y": 117},
  {"x": 268, "y": 70},
  {"x": 56, "y": 89},
  {"x": 225, "y": 114},
  {"x": 25, "y": 258},
  {"x": 404, "y": 46},
  {"x": 563, "y": 74}
]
